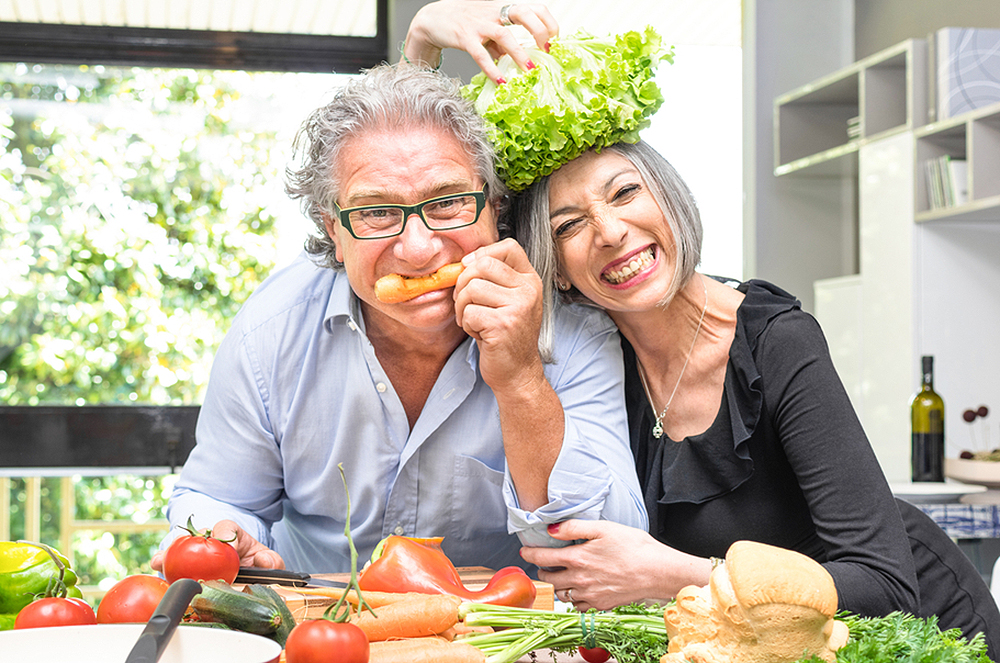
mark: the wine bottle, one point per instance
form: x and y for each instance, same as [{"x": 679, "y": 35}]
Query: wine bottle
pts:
[{"x": 927, "y": 428}]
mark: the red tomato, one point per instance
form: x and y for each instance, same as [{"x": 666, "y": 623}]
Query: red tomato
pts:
[
  {"x": 323, "y": 641},
  {"x": 132, "y": 599},
  {"x": 200, "y": 557},
  {"x": 594, "y": 655},
  {"x": 55, "y": 611}
]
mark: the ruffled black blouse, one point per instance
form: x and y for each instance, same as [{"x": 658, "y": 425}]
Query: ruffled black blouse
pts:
[{"x": 785, "y": 462}]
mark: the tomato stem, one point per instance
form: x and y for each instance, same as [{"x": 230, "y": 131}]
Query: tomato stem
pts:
[{"x": 193, "y": 531}]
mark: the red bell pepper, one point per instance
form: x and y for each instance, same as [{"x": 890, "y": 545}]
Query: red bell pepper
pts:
[{"x": 411, "y": 565}]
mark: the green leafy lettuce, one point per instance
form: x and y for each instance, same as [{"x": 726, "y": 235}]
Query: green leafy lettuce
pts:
[{"x": 586, "y": 92}]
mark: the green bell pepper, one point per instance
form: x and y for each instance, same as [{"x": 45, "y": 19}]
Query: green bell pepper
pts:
[{"x": 28, "y": 571}]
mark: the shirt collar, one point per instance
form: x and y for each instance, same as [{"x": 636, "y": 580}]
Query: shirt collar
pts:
[{"x": 343, "y": 307}]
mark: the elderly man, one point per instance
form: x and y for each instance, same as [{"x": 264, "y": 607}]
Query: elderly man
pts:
[{"x": 446, "y": 419}]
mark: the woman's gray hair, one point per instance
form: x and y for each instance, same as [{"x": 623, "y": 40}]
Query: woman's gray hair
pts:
[
  {"x": 385, "y": 97},
  {"x": 529, "y": 218}
]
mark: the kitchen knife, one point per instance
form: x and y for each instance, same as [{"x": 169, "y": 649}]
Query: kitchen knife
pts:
[{"x": 283, "y": 577}]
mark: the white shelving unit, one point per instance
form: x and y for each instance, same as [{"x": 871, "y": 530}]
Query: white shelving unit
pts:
[
  {"x": 974, "y": 138},
  {"x": 880, "y": 95},
  {"x": 926, "y": 277}
]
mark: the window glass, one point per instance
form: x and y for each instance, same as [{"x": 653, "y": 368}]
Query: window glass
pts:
[{"x": 140, "y": 208}]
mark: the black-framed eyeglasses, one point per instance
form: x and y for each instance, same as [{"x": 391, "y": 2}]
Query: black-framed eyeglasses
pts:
[{"x": 456, "y": 210}]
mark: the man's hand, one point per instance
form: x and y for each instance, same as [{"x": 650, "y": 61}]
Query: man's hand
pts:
[
  {"x": 251, "y": 551},
  {"x": 498, "y": 302}
]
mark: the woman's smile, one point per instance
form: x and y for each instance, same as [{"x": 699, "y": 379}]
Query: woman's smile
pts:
[{"x": 627, "y": 269}]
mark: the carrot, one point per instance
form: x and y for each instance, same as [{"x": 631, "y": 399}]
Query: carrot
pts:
[
  {"x": 424, "y": 650},
  {"x": 461, "y": 628},
  {"x": 429, "y": 615},
  {"x": 374, "y": 599},
  {"x": 394, "y": 288}
]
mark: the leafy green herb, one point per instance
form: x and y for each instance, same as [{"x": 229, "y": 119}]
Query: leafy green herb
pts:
[
  {"x": 902, "y": 638},
  {"x": 637, "y": 634},
  {"x": 586, "y": 92},
  {"x": 631, "y": 634}
]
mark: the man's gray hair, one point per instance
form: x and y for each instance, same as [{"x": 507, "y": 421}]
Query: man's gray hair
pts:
[
  {"x": 386, "y": 97},
  {"x": 529, "y": 217}
]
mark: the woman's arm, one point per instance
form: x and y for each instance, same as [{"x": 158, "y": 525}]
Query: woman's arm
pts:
[
  {"x": 849, "y": 500},
  {"x": 614, "y": 565}
]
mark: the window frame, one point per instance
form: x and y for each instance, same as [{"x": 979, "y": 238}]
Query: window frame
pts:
[
  {"x": 198, "y": 49},
  {"x": 97, "y": 438}
]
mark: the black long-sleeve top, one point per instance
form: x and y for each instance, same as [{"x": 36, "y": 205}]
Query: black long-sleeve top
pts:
[{"x": 787, "y": 462}]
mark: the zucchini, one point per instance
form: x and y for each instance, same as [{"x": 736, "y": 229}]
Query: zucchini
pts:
[
  {"x": 219, "y": 602},
  {"x": 268, "y": 594}
]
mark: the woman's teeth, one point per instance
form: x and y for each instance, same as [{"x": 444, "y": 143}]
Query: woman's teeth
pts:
[{"x": 639, "y": 262}]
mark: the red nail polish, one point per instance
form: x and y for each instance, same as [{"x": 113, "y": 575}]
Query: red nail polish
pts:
[
  {"x": 501, "y": 80},
  {"x": 531, "y": 65},
  {"x": 553, "y": 528},
  {"x": 547, "y": 46}
]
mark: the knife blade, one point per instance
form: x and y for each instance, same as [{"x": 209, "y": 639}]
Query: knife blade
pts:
[{"x": 284, "y": 577}]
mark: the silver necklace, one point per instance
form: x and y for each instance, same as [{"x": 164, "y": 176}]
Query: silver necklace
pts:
[{"x": 658, "y": 426}]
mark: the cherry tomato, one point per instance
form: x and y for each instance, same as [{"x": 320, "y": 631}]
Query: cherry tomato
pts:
[
  {"x": 594, "y": 655},
  {"x": 131, "y": 599},
  {"x": 324, "y": 641},
  {"x": 55, "y": 611},
  {"x": 200, "y": 557}
]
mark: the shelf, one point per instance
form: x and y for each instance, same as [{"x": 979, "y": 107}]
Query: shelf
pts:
[
  {"x": 984, "y": 209},
  {"x": 975, "y": 139},
  {"x": 840, "y": 161},
  {"x": 832, "y": 117}
]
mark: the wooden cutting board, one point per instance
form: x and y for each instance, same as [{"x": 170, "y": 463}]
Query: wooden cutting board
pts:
[{"x": 474, "y": 577}]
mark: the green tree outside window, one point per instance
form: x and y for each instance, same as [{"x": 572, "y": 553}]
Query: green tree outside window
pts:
[{"x": 136, "y": 216}]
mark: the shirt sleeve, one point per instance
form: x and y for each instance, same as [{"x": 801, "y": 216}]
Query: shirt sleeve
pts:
[
  {"x": 849, "y": 499},
  {"x": 233, "y": 441},
  {"x": 594, "y": 475}
]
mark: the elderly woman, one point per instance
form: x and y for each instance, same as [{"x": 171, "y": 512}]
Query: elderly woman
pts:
[{"x": 740, "y": 426}]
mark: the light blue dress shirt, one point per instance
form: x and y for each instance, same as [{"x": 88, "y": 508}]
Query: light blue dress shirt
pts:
[{"x": 296, "y": 389}]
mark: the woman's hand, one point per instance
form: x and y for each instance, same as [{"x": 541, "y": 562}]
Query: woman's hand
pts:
[
  {"x": 614, "y": 565},
  {"x": 251, "y": 551},
  {"x": 476, "y": 28}
]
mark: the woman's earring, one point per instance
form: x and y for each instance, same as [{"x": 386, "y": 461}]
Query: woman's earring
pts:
[{"x": 562, "y": 285}]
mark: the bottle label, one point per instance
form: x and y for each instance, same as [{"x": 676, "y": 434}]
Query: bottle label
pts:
[{"x": 927, "y": 457}]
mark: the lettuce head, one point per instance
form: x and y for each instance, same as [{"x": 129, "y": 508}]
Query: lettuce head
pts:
[{"x": 586, "y": 92}]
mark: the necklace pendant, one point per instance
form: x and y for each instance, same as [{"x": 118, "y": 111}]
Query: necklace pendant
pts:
[{"x": 658, "y": 430}]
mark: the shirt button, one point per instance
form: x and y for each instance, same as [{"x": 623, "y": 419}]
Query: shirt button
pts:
[
  {"x": 351, "y": 325},
  {"x": 398, "y": 531},
  {"x": 380, "y": 387}
]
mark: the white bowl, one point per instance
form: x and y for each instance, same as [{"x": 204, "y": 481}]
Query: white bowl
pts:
[
  {"x": 103, "y": 643},
  {"x": 977, "y": 472}
]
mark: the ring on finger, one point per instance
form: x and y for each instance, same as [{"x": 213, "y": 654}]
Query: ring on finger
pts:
[
  {"x": 505, "y": 16},
  {"x": 569, "y": 595}
]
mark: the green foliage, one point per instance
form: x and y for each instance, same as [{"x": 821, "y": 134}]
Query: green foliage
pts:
[
  {"x": 900, "y": 637},
  {"x": 134, "y": 226},
  {"x": 134, "y": 222}
]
